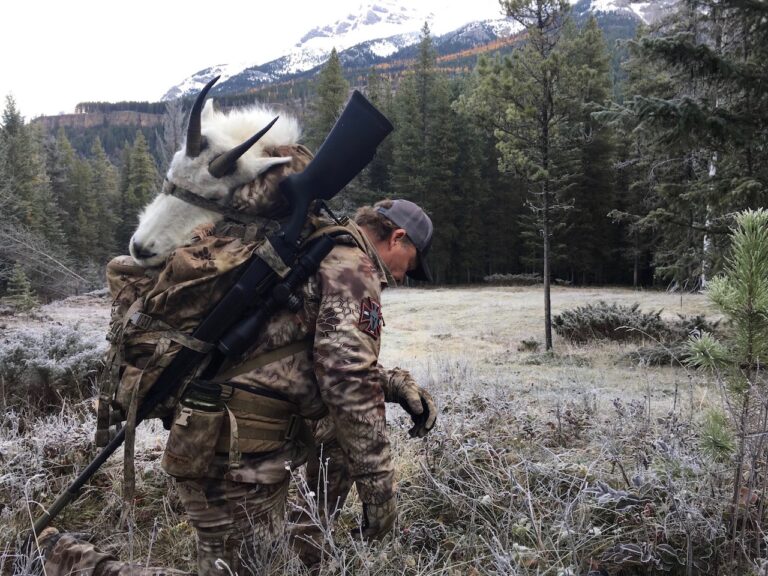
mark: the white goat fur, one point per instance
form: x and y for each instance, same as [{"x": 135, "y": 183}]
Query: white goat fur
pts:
[{"x": 167, "y": 222}]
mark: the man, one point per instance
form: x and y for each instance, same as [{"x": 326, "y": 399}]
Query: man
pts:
[{"x": 319, "y": 363}]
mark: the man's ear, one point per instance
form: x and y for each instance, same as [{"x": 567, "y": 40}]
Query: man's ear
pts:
[{"x": 397, "y": 236}]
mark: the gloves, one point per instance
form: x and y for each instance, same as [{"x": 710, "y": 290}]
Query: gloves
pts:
[
  {"x": 399, "y": 386},
  {"x": 378, "y": 520}
]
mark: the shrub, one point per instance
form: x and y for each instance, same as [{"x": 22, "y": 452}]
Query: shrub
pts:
[
  {"x": 673, "y": 350},
  {"x": 530, "y": 345},
  {"x": 513, "y": 279},
  {"x": 603, "y": 321},
  {"x": 659, "y": 354},
  {"x": 38, "y": 369}
]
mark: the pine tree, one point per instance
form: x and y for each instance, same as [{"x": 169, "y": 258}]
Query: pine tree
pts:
[
  {"x": 30, "y": 224},
  {"x": 741, "y": 295},
  {"x": 106, "y": 203},
  {"x": 28, "y": 179},
  {"x": 6, "y": 197},
  {"x": 19, "y": 294},
  {"x": 588, "y": 237},
  {"x": 479, "y": 233},
  {"x": 520, "y": 99},
  {"x": 20, "y": 168},
  {"x": 124, "y": 228},
  {"x": 416, "y": 123},
  {"x": 638, "y": 160},
  {"x": 139, "y": 184},
  {"x": 61, "y": 159},
  {"x": 84, "y": 239},
  {"x": 332, "y": 93},
  {"x": 376, "y": 177},
  {"x": 707, "y": 127},
  {"x": 425, "y": 152}
]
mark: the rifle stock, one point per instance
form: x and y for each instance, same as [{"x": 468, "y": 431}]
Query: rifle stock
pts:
[{"x": 349, "y": 147}]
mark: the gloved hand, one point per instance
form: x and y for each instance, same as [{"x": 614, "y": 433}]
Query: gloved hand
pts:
[
  {"x": 399, "y": 386},
  {"x": 378, "y": 520}
]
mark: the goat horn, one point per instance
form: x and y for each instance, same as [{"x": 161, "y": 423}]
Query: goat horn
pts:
[
  {"x": 194, "y": 136},
  {"x": 225, "y": 163}
]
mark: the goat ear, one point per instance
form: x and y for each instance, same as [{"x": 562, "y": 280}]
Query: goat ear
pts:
[{"x": 264, "y": 164}]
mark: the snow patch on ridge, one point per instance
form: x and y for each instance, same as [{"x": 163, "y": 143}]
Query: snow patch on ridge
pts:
[
  {"x": 604, "y": 6},
  {"x": 504, "y": 26},
  {"x": 640, "y": 9},
  {"x": 383, "y": 48}
]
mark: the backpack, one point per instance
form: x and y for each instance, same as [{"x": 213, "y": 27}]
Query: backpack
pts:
[{"x": 155, "y": 310}]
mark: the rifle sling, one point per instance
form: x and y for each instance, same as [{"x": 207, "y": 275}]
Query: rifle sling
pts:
[{"x": 267, "y": 358}]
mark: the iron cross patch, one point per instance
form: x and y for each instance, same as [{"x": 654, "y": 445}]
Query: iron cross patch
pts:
[{"x": 371, "y": 318}]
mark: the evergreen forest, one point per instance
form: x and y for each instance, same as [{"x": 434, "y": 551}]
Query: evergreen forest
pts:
[{"x": 553, "y": 160}]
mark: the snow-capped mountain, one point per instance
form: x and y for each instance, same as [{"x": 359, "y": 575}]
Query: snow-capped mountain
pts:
[
  {"x": 393, "y": 23},
  {"x": 380, "y": 29},
  {"x": 647, "y": 12},
  {"x": 377, "y": 28}
]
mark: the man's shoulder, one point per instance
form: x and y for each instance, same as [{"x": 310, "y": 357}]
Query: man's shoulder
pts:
[
  {"x": 348, "y": 254},
  {"x": 349, "y": 265}
]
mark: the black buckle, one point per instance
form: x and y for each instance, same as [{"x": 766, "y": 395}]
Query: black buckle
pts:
[{"x": 294, "y": 423}]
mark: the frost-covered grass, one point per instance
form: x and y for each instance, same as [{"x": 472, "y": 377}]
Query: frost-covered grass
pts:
[
  {"x": 40, "y": 371},
  {"x": 566, "y": 463}
]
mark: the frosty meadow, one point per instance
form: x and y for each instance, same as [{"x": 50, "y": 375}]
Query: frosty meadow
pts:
[{"x": 539, "y": 462}]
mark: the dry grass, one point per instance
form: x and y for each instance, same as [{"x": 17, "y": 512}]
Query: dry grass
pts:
[{"x": 564, "y": 464}]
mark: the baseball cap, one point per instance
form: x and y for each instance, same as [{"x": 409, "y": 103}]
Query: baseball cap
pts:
[{"x": 408, "y": 216}]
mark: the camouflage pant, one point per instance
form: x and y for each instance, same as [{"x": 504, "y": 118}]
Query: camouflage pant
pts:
[
  {"x": 331, "y": 484},
  {"x": 67, "y": 556},
  {"x": 234, "y": 520}
]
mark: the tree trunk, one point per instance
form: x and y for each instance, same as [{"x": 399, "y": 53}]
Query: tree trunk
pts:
[
  {"x": 636, "y": 271},
  {"x": 545, "y": 116},
  {"x": 547, "y": 300}
]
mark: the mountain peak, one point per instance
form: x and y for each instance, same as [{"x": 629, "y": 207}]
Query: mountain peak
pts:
[
  {"x": 382, "y": 18},
  {"x": 380, "y": 28}
]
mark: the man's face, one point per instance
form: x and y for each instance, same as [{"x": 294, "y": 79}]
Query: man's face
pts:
[{"x": 399, "y": 254}]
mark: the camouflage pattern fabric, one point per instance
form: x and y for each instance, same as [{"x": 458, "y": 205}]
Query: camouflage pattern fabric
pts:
[
  {"x": 235, "y": 523},
  {"x": 127, "y": 282},
  {"x": 262, "y": 197},
  {"x": 378, "y": 519},
  {"x": 180, "y": 294},
  {"x": 338, "y": 377},
  {"x": 338, "y": 385},
  {"x": 233, "y": 519},
  {"x": 401, "y": 388},
  {"x": 175, "y": 301},
  {"x": 65, "y": 555}
]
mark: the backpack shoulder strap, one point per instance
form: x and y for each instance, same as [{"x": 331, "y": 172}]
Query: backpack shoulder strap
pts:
[{"x": 349, "y": 228}]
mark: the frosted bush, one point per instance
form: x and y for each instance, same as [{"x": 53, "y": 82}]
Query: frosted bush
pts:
[
  {"x": 513, "y": 279},
  {"x": 39, "y": 369},
  {"x": 604, "y": 321}
]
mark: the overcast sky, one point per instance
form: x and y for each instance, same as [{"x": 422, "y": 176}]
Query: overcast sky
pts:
[{"x": 56, "y": 53}]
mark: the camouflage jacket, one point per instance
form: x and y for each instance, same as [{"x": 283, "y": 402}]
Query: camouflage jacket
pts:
[{"x": 336, "y": 381}]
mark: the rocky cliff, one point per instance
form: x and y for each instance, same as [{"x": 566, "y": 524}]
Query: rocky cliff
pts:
[{"x": 94, "y": 119}]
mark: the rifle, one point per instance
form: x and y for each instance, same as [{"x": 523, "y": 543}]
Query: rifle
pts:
[{"x": 348, "y": 148}]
